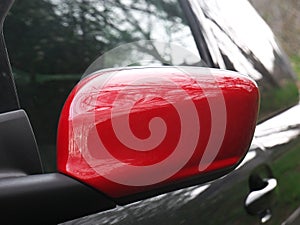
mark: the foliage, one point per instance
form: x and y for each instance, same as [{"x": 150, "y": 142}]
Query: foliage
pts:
[
  {"x": 65, "y": 36},
  {"x": 278, "y": 98},
  {"x": 287, "y": 168},
  {"x": 296, "y": 65}
]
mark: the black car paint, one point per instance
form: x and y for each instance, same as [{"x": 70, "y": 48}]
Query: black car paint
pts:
[
  {"x": 246, "y": 44},
  {"x": 221, "y": 201}
]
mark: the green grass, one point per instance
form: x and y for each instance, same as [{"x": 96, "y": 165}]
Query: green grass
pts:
[
  {"x": 295, "y": 60},
  {"x": 24, "y": 77},
  {"x": 288, "y": 170},
  {"x": 278, "y": 98}
]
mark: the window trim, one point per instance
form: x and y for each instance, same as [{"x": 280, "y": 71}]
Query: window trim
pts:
[
  {"x": 8, "y": 94},
  {"x": 197, "y": 33}
]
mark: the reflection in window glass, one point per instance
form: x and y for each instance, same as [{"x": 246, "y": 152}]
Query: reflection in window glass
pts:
[
  {"x": 247, "y": 45},
  {"x": 51, "y": 43}
]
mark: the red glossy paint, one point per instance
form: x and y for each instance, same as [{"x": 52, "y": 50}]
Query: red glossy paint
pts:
[{"x": 135, "y": 129}]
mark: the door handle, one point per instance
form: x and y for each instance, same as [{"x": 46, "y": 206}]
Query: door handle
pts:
[
  {"x": 258, "y": 202},
  {"x": 258, "y": 194}
]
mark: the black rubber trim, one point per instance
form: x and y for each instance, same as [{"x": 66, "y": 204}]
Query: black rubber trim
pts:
[
  {"x": 47, "y": 199},
  {"x": 197, "y": 33},
  {"x": 172, "y": 187},
  {"x": 8, "y": 94},
  {"x": 19, "y": 153}
]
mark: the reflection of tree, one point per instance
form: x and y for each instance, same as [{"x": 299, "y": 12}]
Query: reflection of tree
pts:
[
  {"x": 30, "y": 29},
  {"x": 65, "y": 36}
]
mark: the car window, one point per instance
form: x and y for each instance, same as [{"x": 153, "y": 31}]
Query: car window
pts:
[
  {"x": 51, "y": 43},
  {"x": 246, "y": 44}
]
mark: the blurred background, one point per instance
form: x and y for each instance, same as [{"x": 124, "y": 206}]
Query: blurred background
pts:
[{"x": 283, "y": 16}]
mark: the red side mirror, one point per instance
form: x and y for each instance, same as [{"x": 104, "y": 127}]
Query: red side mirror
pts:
[{"x": 136, "y": 132}]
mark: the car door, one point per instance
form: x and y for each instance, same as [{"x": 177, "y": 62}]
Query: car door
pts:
[
  {"x": 235, "y": 44},
  {"x": 269, "y": 170}
]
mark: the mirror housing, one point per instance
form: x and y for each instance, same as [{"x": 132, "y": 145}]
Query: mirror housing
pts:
[{"x": 133, "y": 133}]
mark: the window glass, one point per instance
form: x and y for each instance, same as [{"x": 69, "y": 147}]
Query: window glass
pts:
[
  {"x": 240, "y": 40},
  {"x": 51, "y": 43}
]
